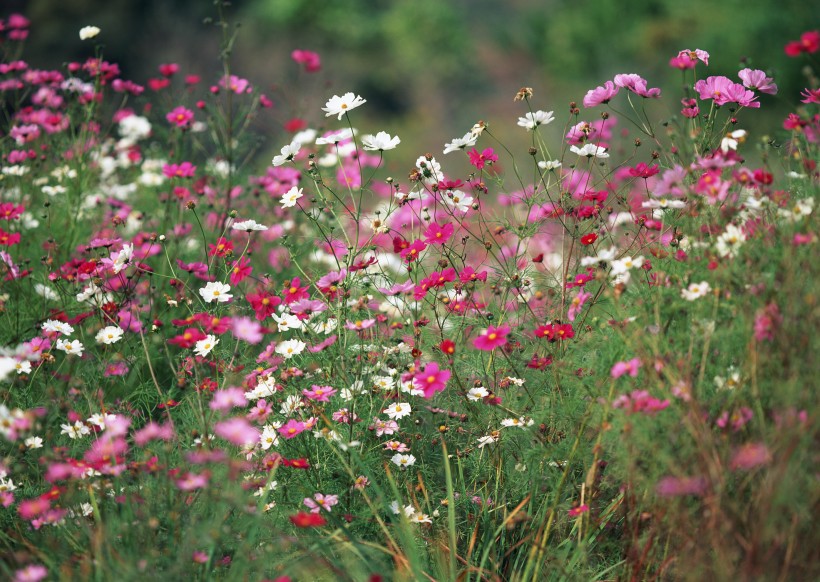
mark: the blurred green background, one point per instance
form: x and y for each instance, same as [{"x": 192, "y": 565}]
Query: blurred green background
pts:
[{"x": 431, "y": 68}]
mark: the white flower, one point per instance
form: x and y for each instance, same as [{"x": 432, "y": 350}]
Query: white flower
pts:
[
  {"x": 460, "y": 201},
  {"x": 288, "y": 153},
  {"x": 46, "y": 292},
  {"x": 52, "y": 325},
  {"x": 549, "y": 165},
  {"x": 108, "y": 335},
  {"x": 589, "y": 150},
  {"x": 304, "y": 136},
  {"x": 24, "y": 367},
  {"x": 800, "y": 209},
  {"x": 385, "y": 383},
  {"x": 71, "y": 347},
  {"x": 381, "y": 141},
  {"x": 34, "y": 442},
  {"x": 291, "y": 404},
  {"x": 533, "y": 120},
  {"x": 520, "y": 422},
  {"x": 730, "y": 241},
  {"x": 134, "y": 128},
  {"x": 488, "y": 439},
  {"x": 287, "y": 322},
  {"x": 403, "y": 461},
  {"x": 265, "y": 387},
  {"x": 419, "y": 517},
  {"x": 248, "y": 225},
  {"x": 398, "y": 411},
  {"x": 430, "y": 170},
  {"x": 204, "y": 346},
  {"x": 335, "y": 137},
  {"x": 99, "y": 419},
  {"x": 87, "y": 32},
  {"x": 7, "y": 485},
  {"x": 603, "y": 256},
  {"x": 461, "y": 143},
  {"x": 620, "y": 266},
  {"x": 732, "y": 140},
  {"x": 477, "y": 393},
  {"x": 269, "y": 438},
  {"x": 76, "y": 430},
  {"x": 695, "y": 291},
  {"x": 290, "y": 197},
  {"x": 340, "y": 105},
  {"x": 290, "y": 348},
  {"x": 216, "y": 291},
  {"x": 663, "y": 203}
]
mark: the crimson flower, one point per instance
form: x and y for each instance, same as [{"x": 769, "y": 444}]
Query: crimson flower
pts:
[{"x": 303, "y": 519}]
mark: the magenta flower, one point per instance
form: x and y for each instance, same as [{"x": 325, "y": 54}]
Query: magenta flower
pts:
[
  {"x": 641, "y": 170},
  {"x": 767, "y": 321},
  {"x": 237, "y": 431},
  {"x": 181, "y": 117},
  {"x": 31, "y": 573},
  {"x": 412, "y": 252},
  {"x": 679, "y": 486},
  {"x": 183, "y": 170},
  {"x": 755, "y": 79},
  {"x": 431, "y": 379},
  {"x": 749, "y": 456},
  {"x": 687, "y": 59},
  {"x": 630, "y": 367},
  {"x": 600, "y": 94},
  {"x": 493, "y": 337},
  {"x": 577, "y": 304},
  {"x": 438, "y": 234},
  {"x": 637, "y": 85}
]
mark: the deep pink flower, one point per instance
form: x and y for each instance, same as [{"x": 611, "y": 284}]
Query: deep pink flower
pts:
[
  {"x": 183, "y": 170},
  {"x": 811, "y": 95},
  {"x": 492, "y": 337},
  {"x": 309, "y": 59},
  {"x": 767, "y": 321},
  {"x": 181, "y": 117},
  {"x": 431, "y": 379},
  {"x": 600, "y": 94},
  {"x": 480, "y": 159},
  {"x": 412, "y": 252},
  {"x": 809, "y": 43},
  {"x": 643, "y": 171},
  {"x": 438, "y": 234},
  {"x": 319, "y": 393}
]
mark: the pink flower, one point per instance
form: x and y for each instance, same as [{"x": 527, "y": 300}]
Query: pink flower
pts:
[
  {"x": 181, "y": 117},
  {"x": 577, "y": 304},
  {"x": 767, "y": 321},
  {"x": 235, "y": 84},
  {"x": 637, "y": 85},
  {"x": 31, "y": 573},
  {"x": 320, "y": 502},
  {"x": 679, "y": 486},
  {"x": 360, "y": 324},
  {"x": 319, "y": 393},
  {"x": 755, "y": 79},
  {"x": 600, "y": 94},
  {"x": 291, "y": 428},
  {"x": 749, "y": 456},
  {"x": 480, "y": 159},
  {"x": 811, "y": 95},
  {"x": 576, "y": 511},
  {"x": 431, "y": 379},
  {"x": 640, "y": 401},
  {"x": 152, "y": 432},
  {"x": 630, "y": 367},
  {"x": 492, "y": 337},
  {"x": 237, "y": 431},
  {"x": 246, "y": 329},
  {"x": 687, "y": 59},
  {"x": 724, "y": 91},
  {"x": 224, "y": 400},
  {"x": 192, "y": 481},
  {"x": 309, "y": 59}
]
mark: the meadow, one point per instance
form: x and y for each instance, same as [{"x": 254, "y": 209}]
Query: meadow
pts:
[{"x": 587, "y": 359}]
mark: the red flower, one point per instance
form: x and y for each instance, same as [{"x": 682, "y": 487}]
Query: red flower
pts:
[
  {"x": 264, "y": 304},
  {"x": 480, "y": 159},
  {"x": 302, "y": 519},
  {"x": 292, "y": 292},
  {"x": 588, "y": 239},
  {"x": 643, "y": 171},
  {"x": 447, "y": 347},
  {"x": 221, "y": 249}
]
